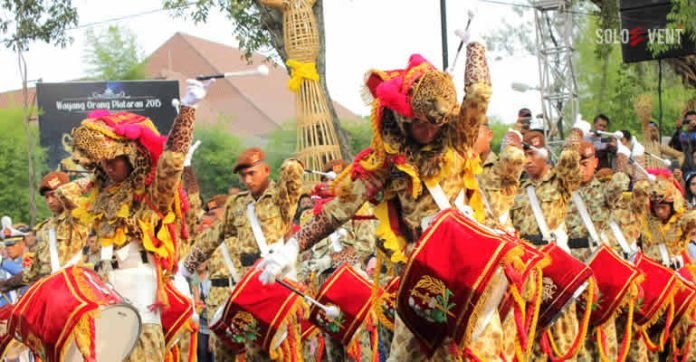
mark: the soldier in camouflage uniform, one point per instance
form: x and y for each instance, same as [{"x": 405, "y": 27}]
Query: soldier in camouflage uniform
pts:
[
  {"x": 71, "y": 235},
  {"x": 274, "y": 204},
  {"x": 352, "y": 243},
  {"x": 553, "y": 187},
  {"x": 421, "y": 134}
]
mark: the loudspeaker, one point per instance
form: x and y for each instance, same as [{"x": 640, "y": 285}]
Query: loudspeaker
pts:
[
  {"x": 635, "y": 4},
  {"x": 640, "y": 24}
]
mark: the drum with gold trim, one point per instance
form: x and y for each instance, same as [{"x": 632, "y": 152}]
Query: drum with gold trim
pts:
[
  {"x": 175, "y": 315},
  {"x": 254, "y": 314},
  {"x": 659, "y": 288},
  {"x": 617, "y": 280},
  {"x": 565, "y": 278},
  {"x": 72, "y": 315},
  {"x": 352, "y": 294},
  {"x": 450, "y": 283},
  {"x": 685, "y": 299},
  {"x": 10, "y": 348}
]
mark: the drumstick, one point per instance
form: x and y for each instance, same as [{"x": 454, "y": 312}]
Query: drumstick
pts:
[{"x": 330, "y": 311}]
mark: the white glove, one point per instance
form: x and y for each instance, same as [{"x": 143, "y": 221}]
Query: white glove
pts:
[
  {"x": 638, "y": 149},
  {"x": 320, "y": 265},
  {"x": 583, "y": 126},
  {"x": 191, "y": 151},
  {"x": 280, "y": 260},
  {"x": 335, "y": 239},
  {"x": 623, "y": 150},
  {"x": 195, "y": 91},
  {"x": 183, "y": 272}
]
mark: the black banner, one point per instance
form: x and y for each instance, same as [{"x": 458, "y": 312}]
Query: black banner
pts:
[{"x": 64, "y": 105}]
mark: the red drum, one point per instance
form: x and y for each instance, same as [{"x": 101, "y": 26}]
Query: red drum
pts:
[
  {"x": 176, "y": 315},
  {"x": 9, "y": 347},
  {"x": 617, "y": 281},
  {"x": 449, "y": 282},
  {"x": 565, "y": 278},
  {"x": 352, "y": 294},
  {"x": 72, "y": 315},
  {"x": 659, "y": 288},
  {"x": 254, "y": 314}
]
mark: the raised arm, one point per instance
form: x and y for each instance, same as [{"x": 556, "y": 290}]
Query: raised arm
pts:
[{"x": 289, "y": 190}]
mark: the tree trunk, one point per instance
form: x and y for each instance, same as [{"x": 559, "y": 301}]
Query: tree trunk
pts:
[{"x": 273, "y": 21}]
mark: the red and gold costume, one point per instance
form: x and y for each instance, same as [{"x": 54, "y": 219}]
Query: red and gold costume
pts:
[
  {"x": 137, "y": 220},
  {"x": 395, "y": 171}
]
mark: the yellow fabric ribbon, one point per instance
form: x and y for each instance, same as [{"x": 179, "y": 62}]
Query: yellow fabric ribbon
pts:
[
  {"x": 300, "y": 71},
  {"x": 383, "y": 231}
]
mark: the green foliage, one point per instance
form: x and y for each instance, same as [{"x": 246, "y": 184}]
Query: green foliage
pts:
[
  {"x": 214, "y": 160},
  {"x": 281, "y": 145},
  {"x": 681, "y": 17},
  {"x": 24, "y": 21},
  {"x": 607, "y": 85},
  {"x": 113, "y": 54},
  {"x": 249, "y": 29},
  {"x": 499, "y": 130},
  {"x": 14, "y": 183},
  {"x": 360, "y": 134}
]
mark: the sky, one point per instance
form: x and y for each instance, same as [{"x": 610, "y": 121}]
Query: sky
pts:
[{"x": 360, "y": 35}]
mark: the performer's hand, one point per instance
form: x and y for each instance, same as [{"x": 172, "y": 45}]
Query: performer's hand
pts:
[
  {"x": 191, "y": 151},
  {"x": 320, "y": 265},
  {"x": 623, "y": 150},
  {"x": 183, "y": 272},
  {"x": 195, "y": 91},
  {"x": 279, "y": 261}
]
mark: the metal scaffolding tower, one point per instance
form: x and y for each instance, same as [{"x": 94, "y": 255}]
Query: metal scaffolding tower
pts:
[{"x": 554, "y": 25}]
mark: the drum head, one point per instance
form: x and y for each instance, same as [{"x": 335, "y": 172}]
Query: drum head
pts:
[{"x": 117, "y": 331}]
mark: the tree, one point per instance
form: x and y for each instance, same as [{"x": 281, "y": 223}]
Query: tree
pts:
[
  {"x": 25, "y": 21},
  {"x": 214, "y": 160},
  {"x": 260, "y": 28},
  {"x": 113, "y": 54},
  {"x": 607, "y": 85},
  {"x": 13, "y": 153}
]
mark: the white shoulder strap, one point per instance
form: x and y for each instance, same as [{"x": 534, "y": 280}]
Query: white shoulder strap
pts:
[
  {"x": 256, "y": 229},
  {"x": 53, "y": 250},
  {"x": 619, "y": 236},
  {"x": 228, "y": 262},
  {"x": 538, "y": 213},
  {"x": 586, "y": 220}
]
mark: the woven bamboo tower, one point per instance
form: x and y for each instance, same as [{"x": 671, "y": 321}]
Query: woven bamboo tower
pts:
[{"x": 317, "y": 142}]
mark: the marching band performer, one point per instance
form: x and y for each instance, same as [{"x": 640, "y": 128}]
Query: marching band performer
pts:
[
  {"x": 421, "y": 147},
  {"x": 61, "y": 232},
  {"x": 252, "y": 220},
  {"x": 133, "y": 202},
  {"x": 352, "y": 244},
  {"x": 552, "y": 188}
]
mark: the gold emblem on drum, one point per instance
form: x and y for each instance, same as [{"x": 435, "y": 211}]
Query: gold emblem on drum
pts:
[
  {"x": 429, "y": 299},
  {"x": 243, "y": 328},
  {"x": 548, "y": 289}
]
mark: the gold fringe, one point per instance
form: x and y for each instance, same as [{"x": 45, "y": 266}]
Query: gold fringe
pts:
[
  {"x": 81, "y": 335},
  {"x": 583, "y": 328}
]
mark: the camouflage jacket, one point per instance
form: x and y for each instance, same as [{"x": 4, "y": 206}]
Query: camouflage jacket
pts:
[
  {"x": 275, "y": 209},
  {"x": 553, "y": 191},
  {"x": 71, "y": 237}
]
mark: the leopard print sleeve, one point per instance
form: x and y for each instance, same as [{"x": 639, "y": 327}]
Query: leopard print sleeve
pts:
[
  {"x": 352, "y": 194},
  {"x": 289, "y": 190},
  {"x": 568, "y": 171},
  {"x": 346, "y": 256},
  {"x": 171, "y": 162}
]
